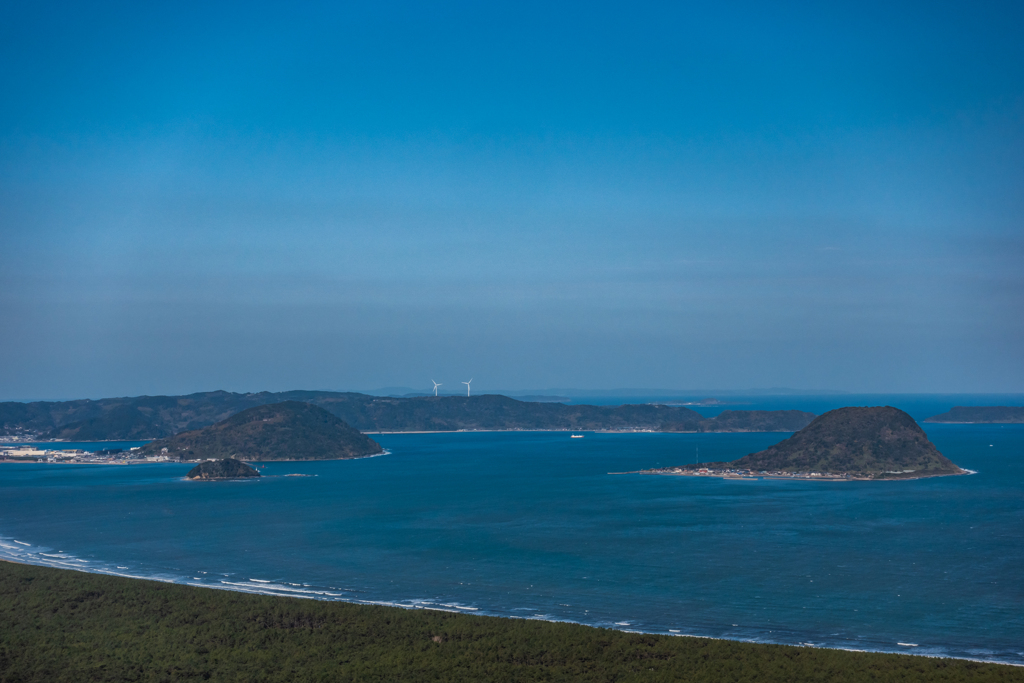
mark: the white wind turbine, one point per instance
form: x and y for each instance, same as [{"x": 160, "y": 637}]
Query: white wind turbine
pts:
[
  {"x": 467, "y": 387},
  {"x": 436, "y": 385}
]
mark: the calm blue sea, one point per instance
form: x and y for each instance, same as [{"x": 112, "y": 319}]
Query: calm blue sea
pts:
[{"x": 532, "y": 525}]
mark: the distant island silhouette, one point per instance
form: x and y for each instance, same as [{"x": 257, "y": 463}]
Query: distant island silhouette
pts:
[
  {"x": 981, "y": 415},
  {"x": 746, "y": 421}
]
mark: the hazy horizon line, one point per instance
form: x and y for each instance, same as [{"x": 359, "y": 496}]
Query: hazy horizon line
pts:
[{"x": 624, "y": 392}]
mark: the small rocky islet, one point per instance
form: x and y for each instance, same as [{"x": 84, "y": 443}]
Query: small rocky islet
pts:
[{"x": 226, "y": 468}]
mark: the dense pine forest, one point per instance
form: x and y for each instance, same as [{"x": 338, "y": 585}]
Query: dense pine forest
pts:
[{"x": 58, "y": 625}]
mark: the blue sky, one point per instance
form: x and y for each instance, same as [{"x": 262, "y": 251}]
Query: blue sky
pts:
[{"x": 734, "y": 195}]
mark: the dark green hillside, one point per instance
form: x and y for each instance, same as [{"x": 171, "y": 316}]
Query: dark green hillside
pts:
[
  {"x": 59, "y": 626},
  {"x": 982, "y": 415},
  {"x": 863, "y": 441},
  {"x": 746, "y": 421},
  {"x": 123, "y": 422},
  {"x": 161, "y": 416},
  {"x": 280, "y": 431},
  {"x": 452, "y": 413},
  {"x": 110, "y": 418},
  {"x": 760, "y": 421}
]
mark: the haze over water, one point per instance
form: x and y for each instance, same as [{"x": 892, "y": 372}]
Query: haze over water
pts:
[
  {"x": 645, "y": 194},
  {"x": 532, "y": 525}
]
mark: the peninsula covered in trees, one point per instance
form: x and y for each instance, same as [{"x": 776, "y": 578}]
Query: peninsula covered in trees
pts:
[
  {"x": 981, "y": 415},
  {"x": 859, "y": 443},
  {"x": 155, "y": 417},
  {"x": 746, "y": 421},
  {"x": 291, "y": 430}
]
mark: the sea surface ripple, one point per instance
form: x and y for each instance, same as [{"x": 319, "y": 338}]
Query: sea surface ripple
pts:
[{"x": 531, "y": 525}]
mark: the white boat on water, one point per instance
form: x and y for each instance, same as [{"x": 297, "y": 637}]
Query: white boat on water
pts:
[{"x": 576, "y": 436}]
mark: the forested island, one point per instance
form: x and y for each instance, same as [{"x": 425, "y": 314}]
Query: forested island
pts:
[
  {"x": 981, "y": 415},
  {"x": 290, "y": 430},
  {"x": 850, "y": 443},
  {"x": 154, "y": 417}
]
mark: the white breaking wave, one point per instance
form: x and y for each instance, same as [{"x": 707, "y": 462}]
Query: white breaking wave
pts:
[{"x": 268, "y": 587}]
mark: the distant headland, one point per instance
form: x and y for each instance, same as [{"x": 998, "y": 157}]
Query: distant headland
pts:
[
  {"x": 847, "y": 443},
  {"x": 981, "y": 415},
  {"x": 290, "y": 430},
  {"x": 156, "y": 417},
  {"x": 746, "y": 421}
]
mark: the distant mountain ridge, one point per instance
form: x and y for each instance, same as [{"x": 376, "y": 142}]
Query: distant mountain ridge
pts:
[
  {"x": 162, "y": 416},
  {"x": 153, "y": 417},
  {"x": 290, "y": 430},
  {"x": 981, "y": 415},
  {"x": 746, "y": 421}
]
